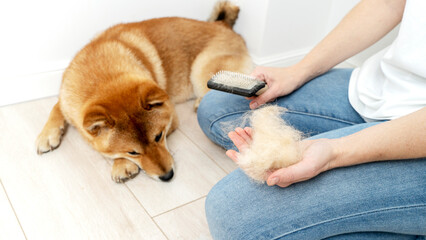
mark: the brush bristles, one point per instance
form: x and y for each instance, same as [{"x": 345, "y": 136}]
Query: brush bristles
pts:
[{"x": 234, "y": 79}]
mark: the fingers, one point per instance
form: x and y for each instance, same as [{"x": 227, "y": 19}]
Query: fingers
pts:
[
  {"x": 238, "y": 141},
  {"x": 232, "y": 154},
  {"x": 245, "y": 134},
  {"x": 249, "y": 131},
  {"x": 284, "y": 177},
  {"x": 268, "y": 95},
  {"x": 263, "y": 98},
  {"x": 241, "y": 138}
]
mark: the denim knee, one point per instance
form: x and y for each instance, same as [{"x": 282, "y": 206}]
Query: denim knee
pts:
[
  {"x": 203, "y": 116},
  {"x": 337, "y": 202},
  {"x": 211, "y": 114},
  {"x": 207, "y": 120},
  {"x": 219, "y": 209},
  {"x": 214, "y": 212}
]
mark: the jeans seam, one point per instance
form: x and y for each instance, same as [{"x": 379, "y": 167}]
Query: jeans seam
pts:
[
  {"x": 217, "y": 119},
  {"x": 350, "y": 216},
  {"x": 322, "y": 116}
]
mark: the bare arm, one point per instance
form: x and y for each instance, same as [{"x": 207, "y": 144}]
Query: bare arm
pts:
[
  {"x": 402, "y": 138},
  {"x": 364, "y": 25}
]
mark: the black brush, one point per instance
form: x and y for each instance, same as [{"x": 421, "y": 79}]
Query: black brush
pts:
[{"x": 237, "y": 83}]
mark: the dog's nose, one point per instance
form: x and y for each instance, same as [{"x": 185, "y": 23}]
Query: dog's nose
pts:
[{"x": 166, "y": 177}]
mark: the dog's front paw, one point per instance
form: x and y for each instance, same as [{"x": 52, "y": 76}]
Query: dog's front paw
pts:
[
  {"x": 123, "y": 169},
  {"x": 49, "y": 139}
]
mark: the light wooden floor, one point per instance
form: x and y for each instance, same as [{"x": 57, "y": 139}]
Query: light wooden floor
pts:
[{"x": 68, "y": 193}]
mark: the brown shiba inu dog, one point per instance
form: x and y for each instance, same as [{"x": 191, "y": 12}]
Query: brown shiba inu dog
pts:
[{"x": 119, "y": 90}]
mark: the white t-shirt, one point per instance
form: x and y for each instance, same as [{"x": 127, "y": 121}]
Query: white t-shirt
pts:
[{"x": 392, "y": 83}]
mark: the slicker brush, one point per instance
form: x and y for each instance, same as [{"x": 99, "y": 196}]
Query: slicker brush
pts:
[{"x": 237, "y": 83}]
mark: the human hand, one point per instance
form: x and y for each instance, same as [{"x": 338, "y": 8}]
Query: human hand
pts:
[
  {"x": 280, "y": 81},
  {"x": 317, "y": 157},
  {"x": 242, "y": 139}
]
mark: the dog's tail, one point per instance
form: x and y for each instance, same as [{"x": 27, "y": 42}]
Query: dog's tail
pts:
[{"x": 226, "y": 12}]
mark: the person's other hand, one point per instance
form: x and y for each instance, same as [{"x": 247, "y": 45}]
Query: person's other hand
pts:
[
  {"x": 242, "y": 139},
  {"x": 317, "y": 156}
]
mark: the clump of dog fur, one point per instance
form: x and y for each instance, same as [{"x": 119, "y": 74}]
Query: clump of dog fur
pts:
[{"x": 274, "y": 144}]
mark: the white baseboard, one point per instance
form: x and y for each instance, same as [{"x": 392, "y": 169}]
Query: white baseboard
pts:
[
  {"x": 291, "y": 58},
  {"x": 280, "y": 60}
]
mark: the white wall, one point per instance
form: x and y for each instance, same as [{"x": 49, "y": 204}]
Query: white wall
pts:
[
  {"x": 338, "y": 10},
  {"x": 281, "y": 32},
  {"x": 288, "y": 28},
  {"x": 39, "y": 38},
  {"x": 44, "y": 34}
]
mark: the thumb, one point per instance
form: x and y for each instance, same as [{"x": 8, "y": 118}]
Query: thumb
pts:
[
  {"x": 286, "y": 176},
  {"x": 263, "y": 98}
]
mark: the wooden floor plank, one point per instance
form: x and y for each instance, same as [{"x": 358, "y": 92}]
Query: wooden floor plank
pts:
[
  {"x": 186, "y": 222},
  {"x": 9, "y": 225},
  {"x": 195, "y": 175},
  {"x": 189, "y": 126}
]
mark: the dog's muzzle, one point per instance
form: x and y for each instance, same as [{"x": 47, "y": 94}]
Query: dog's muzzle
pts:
[{"x": 166, "y": 177}]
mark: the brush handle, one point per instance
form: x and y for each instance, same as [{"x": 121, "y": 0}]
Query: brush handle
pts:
[
  {"x": 262, "y": 90},
  {"x": 256, "y": 90}
]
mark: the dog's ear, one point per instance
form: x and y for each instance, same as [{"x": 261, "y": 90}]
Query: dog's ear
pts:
[
  {"x": 152, "y": 96},
  {"x": 97, "y": 119}
]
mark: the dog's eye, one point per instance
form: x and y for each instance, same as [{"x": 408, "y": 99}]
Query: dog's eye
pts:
[
  {"x": 133, "y": 153},
  {"x": 158, "y": 137}
]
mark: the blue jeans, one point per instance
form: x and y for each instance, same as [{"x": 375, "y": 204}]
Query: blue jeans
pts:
[{"x": 381, "y": 200}]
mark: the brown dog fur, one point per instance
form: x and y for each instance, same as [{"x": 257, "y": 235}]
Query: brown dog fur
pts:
[{"x": 119, "y": 91}]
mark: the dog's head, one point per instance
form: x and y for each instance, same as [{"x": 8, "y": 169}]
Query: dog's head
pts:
[{"x": 132, "y": 123}]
